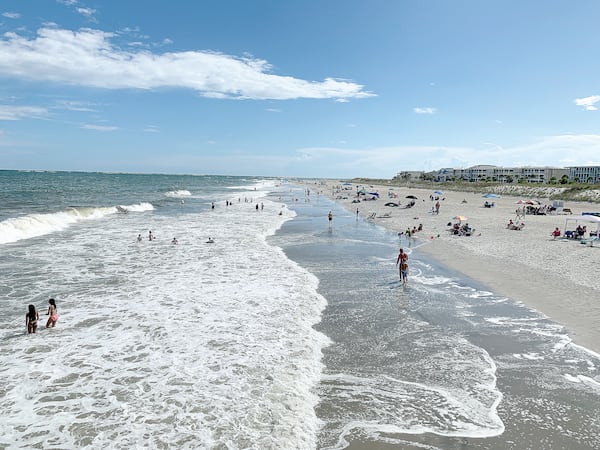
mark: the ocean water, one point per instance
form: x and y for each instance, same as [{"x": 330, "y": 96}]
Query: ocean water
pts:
[{"x": 283, "y": 334}]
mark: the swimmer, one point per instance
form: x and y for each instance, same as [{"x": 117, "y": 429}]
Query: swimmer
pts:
[
  {"x": 31, "y": 319},
  {"x": 53, "y": 313},
  {"x": 174, "y": 241},
  {"x": 210, "y": 241}
]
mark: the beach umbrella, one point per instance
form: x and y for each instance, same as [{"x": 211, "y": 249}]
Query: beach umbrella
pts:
[
  {"x": 391, "y": 204},
  {"x": 411, "y": 196},
  {"x": 490, "y": 196},
  {"x": 438, "y": 192},
  {"x": 459, "y": 218}
]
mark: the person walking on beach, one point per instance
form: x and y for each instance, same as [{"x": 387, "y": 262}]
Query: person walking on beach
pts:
[
  {"x": 404, "y": 272},
  {"x": 330, "y": 218},
  {"x": 402, "y": 259},
  {"x": 53, "y": 313},
  {"x": 31, "y": 319}
]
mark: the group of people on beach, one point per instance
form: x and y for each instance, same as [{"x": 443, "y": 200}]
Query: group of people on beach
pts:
[{"x": 32, "y": 317}]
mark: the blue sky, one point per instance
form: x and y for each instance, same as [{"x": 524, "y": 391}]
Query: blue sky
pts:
[{"x": 311, "y": 88}]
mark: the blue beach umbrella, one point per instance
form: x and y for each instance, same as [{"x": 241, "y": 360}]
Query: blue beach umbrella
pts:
[
  {"x": 490, "y": 196},
  {"x": 438, "y": 192}
]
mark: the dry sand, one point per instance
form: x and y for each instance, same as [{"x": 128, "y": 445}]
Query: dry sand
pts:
[{"x": 559, "y": 278}]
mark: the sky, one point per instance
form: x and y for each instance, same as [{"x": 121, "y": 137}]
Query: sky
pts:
[{"x": 298, "y": 88}]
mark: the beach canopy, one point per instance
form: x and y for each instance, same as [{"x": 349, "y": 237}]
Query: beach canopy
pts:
[
  {"x": 490, "y": 196},
  {"x": 584, "y": 219},
  {"x": 411, "y": 196}
]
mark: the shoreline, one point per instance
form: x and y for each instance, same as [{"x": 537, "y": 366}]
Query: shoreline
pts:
[{"x": 557, "y": 278}]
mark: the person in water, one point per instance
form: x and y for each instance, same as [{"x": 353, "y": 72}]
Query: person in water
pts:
[
  {"x": 53, "y": 313},
  {"x": 31, "y": 319},
  {"x": 402, "y": 259}
]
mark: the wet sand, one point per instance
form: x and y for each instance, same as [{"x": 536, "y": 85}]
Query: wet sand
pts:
[{"x": 558, "y": 278}]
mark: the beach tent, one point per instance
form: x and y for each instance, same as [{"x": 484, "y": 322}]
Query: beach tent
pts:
[{"x": 583, "y": 219}]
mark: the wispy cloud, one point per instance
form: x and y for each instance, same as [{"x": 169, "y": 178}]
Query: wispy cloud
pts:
[
  {"x": 87, "y": 12},
  {"x": 275, "y": 110},
  {"x": 588, "y": 103},
  {"x": 73, "y": 105},
  {"x": 425, "y": 110},
  {"x": 11, "y": 15},
  {"x": 67, "y": 2},
  {"x": 10, "y": 112},
  {"x": 88, "y": 126},
  {"x": 151, "y": 129},
  {"x": 559, "y": 150},
  {"x": 88, "y": 58}
]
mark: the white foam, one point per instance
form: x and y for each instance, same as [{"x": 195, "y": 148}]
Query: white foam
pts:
[
  {"x": 178, "y": 193},
  {"x": 161, "y": 345},
  {"x": 34, "y": 225},
  {"x": 584, "y": 380}
]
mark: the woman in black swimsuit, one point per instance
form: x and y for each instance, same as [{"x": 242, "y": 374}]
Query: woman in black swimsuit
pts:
[{"x": 31, "y": 319}]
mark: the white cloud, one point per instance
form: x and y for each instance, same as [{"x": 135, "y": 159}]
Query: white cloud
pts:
[
  {"x": 88, "y": 58},
  {"x": 87, "y": 12},
  {"x": 385, "y": 162},
  {"x": 588, "y": 102},
  {"x": 11, "y": 15},
  {"x": 73, "y": 105},
  {"x": 67, "y": 2},
  {"x": 275, "y": 110},
  {"x": 88, "y": 126},
  {"x": 151, "y": 129},
  {"x": 425, "y": 110},
  {"x": 10, "y": 112}
]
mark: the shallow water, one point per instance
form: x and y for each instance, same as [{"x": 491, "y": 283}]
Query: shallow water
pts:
[
  {"x": 282, "y": 334},
  {"x": 441, "y": 363}
]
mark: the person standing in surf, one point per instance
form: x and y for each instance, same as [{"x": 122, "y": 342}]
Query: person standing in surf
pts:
[
  {"x": 31, "y": 319},
  {"x": 404, "y": 272},
  {"x": 402, "y": 259},
  {"x": 330, "y": 218},
  {"x": 53, "y": 313}
]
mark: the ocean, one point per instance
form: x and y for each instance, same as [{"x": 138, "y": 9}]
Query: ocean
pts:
[{"x": 284, "y": 333}]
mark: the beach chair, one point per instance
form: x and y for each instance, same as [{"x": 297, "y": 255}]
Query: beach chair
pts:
[
  {"x": 386, "y": 215},
  {"x": 371, "y": 216}
]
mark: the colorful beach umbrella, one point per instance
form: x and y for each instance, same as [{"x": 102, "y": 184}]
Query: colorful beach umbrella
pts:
[{"x": 459, "y": 218}]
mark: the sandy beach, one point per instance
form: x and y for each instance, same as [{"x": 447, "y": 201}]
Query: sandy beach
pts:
[{"x": 557, "y": 277}]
